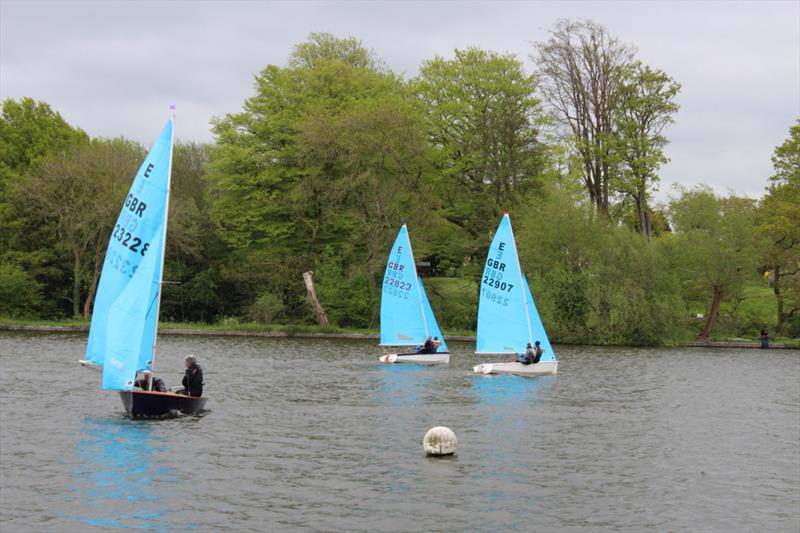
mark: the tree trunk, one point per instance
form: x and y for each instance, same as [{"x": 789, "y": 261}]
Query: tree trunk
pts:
[
  {"x": 712, "y": 314},
  {"x": 642, "y": 213},
  {"x": 76, "y": 286},
  {"x": 322, "y": 317},
  {"x": 776, "y": 288}
]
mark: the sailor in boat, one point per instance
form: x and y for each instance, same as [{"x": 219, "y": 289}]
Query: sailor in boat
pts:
[
  {"x": 193, "y": 378},
  {"x": 532, "y": 354},
  {"x": 143, "y": 382},
  {"x": 428, "y": 347}
]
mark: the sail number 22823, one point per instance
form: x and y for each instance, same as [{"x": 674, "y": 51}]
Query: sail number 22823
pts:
[{"x": 393, "y": 281}]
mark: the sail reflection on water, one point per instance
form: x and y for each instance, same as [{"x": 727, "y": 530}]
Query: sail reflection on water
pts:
[
  {"x": 119, "y": 479},
  {"x": 402, "y": 384},
  {"x": 507, "y": 391}
]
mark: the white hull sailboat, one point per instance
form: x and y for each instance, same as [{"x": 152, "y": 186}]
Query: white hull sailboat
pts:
[
  {"x": 507, "y": 316},
  {"x": 545, "y": 368},
  {"x": 419, "y": 358},
  {"x": 407, "y": 319}
]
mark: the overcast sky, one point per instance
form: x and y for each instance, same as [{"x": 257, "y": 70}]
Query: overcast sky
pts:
[{"x": 113, "y": 68}]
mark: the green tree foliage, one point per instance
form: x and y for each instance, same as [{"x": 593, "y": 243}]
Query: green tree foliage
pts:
[
  {"x": 325, "y": 156},
  {"x": 29, "y": 131},
  {"x": 644, "y": 107},
  {"x": 714, "y": 237},
  {"x": 20, "y": 294},
  {"x": 483, "y": 120},
  {"x": 192, "y": 289},
  {"x": 778, "y": 231},
  {"x": 322, "y": 47},
  {"x": 80, "y": 191},
  {"x": 594, "y": 281},
  {"x": 266, "y": 308}
]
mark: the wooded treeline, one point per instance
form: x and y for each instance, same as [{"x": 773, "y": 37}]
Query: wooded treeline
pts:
[{"x": 333, "y": 150}]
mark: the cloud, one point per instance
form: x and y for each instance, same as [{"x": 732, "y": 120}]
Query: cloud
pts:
[{"x": 113, "y": 68}]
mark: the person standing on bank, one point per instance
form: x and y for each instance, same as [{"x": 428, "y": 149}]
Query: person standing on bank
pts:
[
  {"x": 193, "y": 378},
  {"x": 764, "y": 334}
]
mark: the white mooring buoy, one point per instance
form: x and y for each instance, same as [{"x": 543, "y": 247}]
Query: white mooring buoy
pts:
[{"x": 440, "y": 441}]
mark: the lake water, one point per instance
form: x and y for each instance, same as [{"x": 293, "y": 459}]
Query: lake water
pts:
[{"x": 315, "y": 435}]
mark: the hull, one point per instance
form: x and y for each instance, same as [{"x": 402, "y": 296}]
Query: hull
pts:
[
  {"x": 151, "y": 403},
  {"x": 419, "y": 358},
  {"x": 547, "y": 368}
]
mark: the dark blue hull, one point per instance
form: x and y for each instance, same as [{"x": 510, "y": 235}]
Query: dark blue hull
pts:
[{"x": 151, "y": 403}]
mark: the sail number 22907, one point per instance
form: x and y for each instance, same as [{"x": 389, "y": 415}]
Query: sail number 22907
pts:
[{"x": 493, "y": 279}]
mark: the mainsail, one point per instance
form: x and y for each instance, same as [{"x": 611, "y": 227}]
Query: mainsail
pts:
[
  {"x": 406, "y": 315},
  {"x": 125, "y": 318},
  {"x": 507, "y": 316}
]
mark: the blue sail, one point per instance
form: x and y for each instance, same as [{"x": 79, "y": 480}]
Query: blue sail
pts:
[
  {"x": 503, "y": 322},
  {"x": 539, "y": 333},
  {"x": 433, "y": 326},
  {"x": 124, "y": 321},
  {"x": 403, "y": 320}
]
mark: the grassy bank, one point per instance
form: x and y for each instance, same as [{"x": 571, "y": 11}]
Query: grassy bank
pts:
[
  {"x": 234, "y": 328},
  {"x": 224, "y": 326}
]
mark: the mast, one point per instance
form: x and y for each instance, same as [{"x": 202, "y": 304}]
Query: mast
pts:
[
  {"x": 163, "y": 248},
  {"x": 521, "y": 281},
  {"x": 416, "y": 281}
]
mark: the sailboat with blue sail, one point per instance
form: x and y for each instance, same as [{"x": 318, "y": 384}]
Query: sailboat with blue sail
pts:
[
  {"x": 406, "y": 315},
  {"x": 123, "y": 332},
  {"x": 507, "y": 316}
]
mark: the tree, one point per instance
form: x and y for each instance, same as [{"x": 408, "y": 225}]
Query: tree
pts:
[
  {"x": 595, "y": 282},
  {"x": 578, "y": 70},
  {"x": 81, "y": 190},
  {"x": 194, "y": 252},
  {"x": 323, "y": 46},
  {"x": 483, "y": 122},
  {"x": 322, "y": 157},
  {"x": 715, "y": 239},
  {"x": 29, "y": 130},
  {"x": 778, "y": 228},
  {"x": 20, "y": 294},
  {"x": 644, "y": 107}
]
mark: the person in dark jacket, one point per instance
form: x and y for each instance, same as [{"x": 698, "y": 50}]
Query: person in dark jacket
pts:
[
  {"x": 143, "y": 382},
  {"x": 193, "y": 378},
  {"x": 764, "y": 333},
  {"x": 532, "y": 354},
  {"x": 427, "y": 347}
]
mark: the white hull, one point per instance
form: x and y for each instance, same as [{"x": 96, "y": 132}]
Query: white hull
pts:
[
  {"x": 419, "y": 358},
  {"x": 545, "y": 368}
]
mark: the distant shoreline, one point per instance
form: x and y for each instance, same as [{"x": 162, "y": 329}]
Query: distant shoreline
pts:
[{"x": 334, "y": 335}]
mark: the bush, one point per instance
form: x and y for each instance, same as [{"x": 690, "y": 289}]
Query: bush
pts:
[
  {"x": 266, "y": 308},
  {"x": 20, "y": 295}
]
